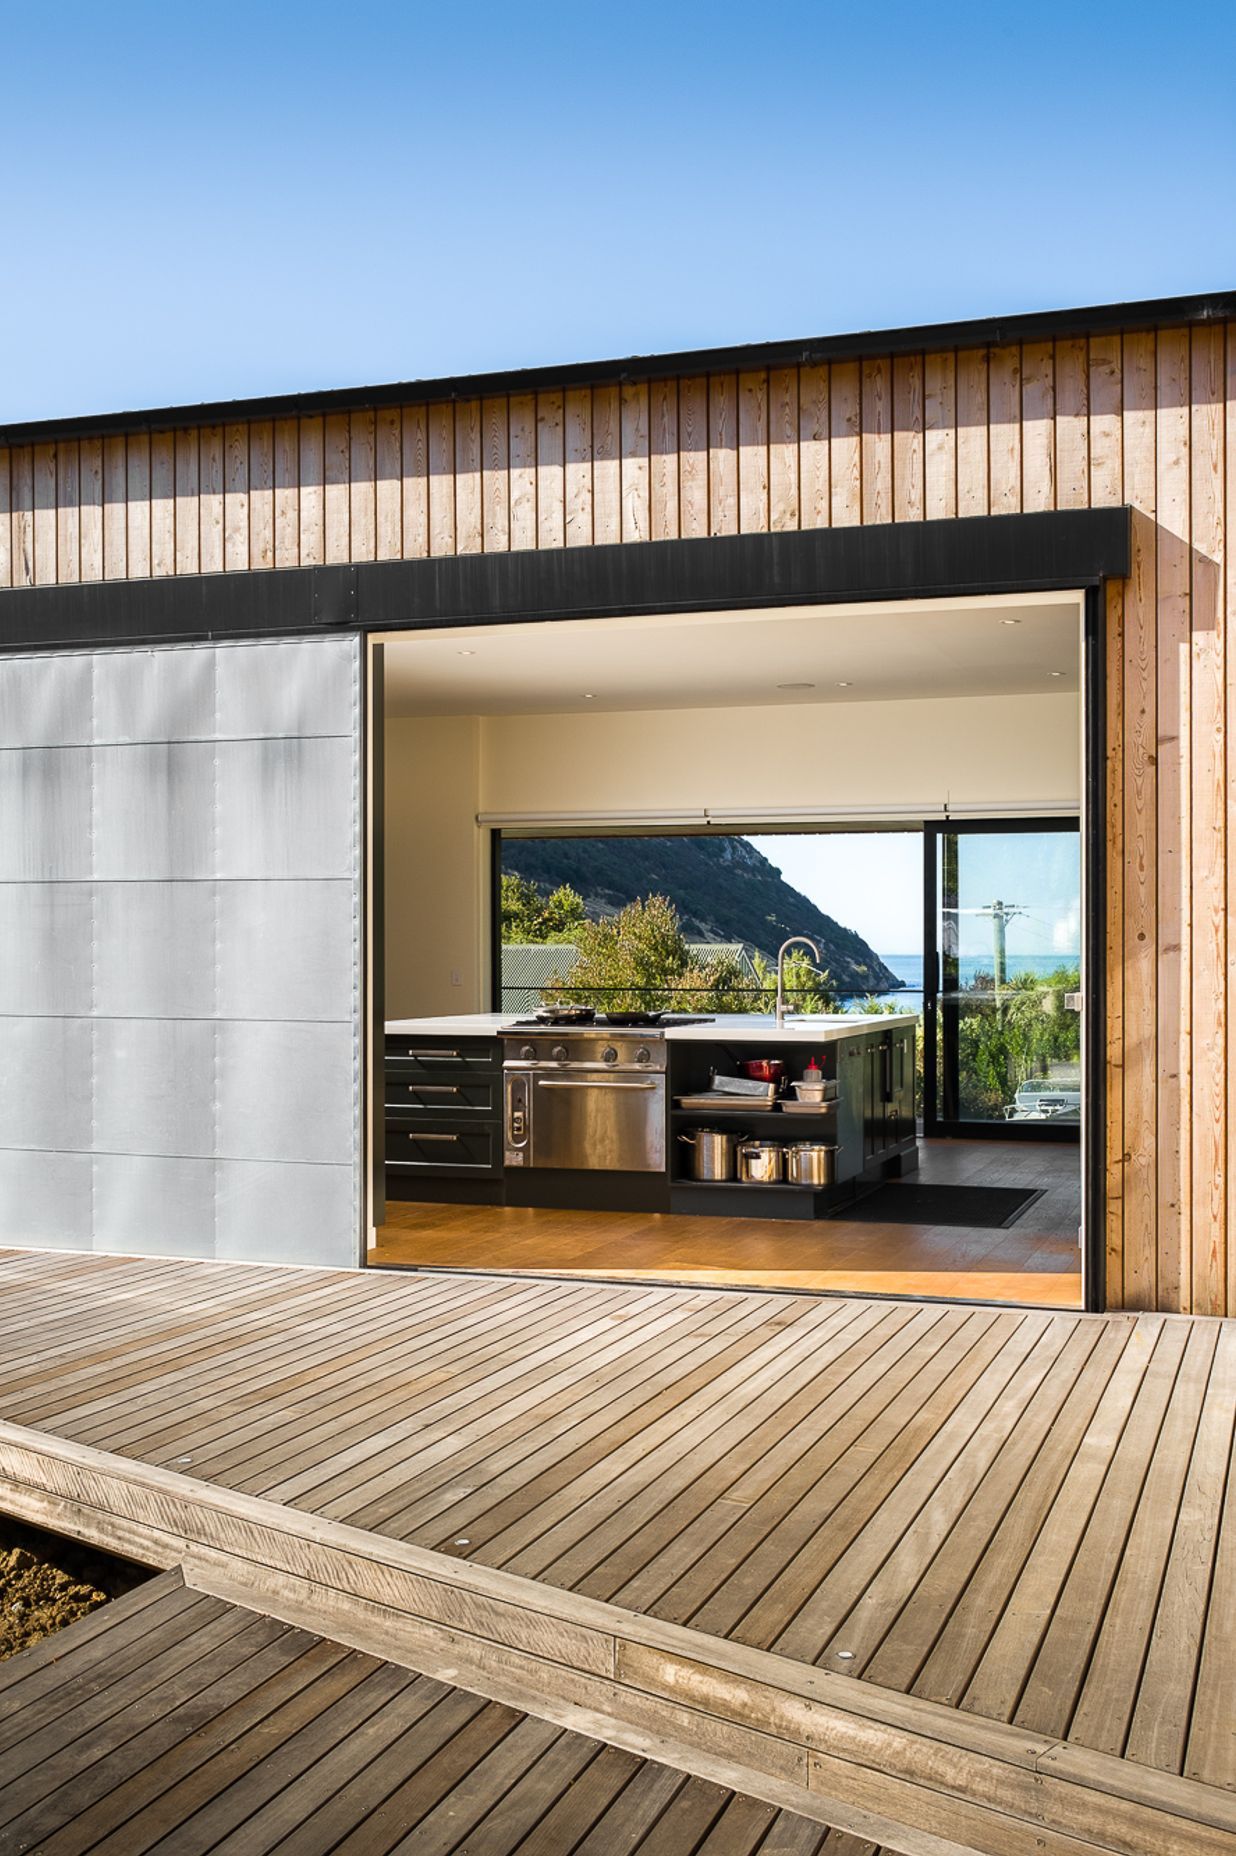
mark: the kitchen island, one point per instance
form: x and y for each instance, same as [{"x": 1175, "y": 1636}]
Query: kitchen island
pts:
[{"x": 462, "y": 1094}]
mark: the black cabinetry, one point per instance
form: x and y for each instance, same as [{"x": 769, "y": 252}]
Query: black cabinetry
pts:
[{"x": 443, "y": 1100}]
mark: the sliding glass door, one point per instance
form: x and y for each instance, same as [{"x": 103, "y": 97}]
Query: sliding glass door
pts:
[{"x": 1002, "y": 979}]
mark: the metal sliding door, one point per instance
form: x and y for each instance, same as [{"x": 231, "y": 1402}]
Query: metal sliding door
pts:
[
  {"x": 180, "y": 952},
  {"x": 1002, "y": 979}
]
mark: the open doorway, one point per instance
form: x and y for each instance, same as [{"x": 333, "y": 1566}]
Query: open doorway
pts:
[{"x": 543, "y": 779}]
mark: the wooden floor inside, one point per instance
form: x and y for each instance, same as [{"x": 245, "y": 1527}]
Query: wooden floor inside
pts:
[
  {"x": 174, "y": 1721},
  {"x": 1027, "y": 1516},
  {"x": 1035, "y": 1261}
]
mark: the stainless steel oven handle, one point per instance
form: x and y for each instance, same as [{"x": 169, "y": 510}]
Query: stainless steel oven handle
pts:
[{"x": 600, "y": 1082}]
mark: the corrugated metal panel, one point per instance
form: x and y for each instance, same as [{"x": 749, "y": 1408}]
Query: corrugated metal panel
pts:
[{"x": 180, "y": 862}]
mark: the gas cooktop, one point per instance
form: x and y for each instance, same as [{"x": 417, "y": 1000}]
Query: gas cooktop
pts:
[{"x": 618, "y": 1021}]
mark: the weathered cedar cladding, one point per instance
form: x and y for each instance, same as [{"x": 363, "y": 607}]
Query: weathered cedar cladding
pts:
[{"x": 1146, "y": 418}]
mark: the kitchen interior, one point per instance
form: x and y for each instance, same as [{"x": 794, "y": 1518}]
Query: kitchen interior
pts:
[{"x": 757, "y": 1145}]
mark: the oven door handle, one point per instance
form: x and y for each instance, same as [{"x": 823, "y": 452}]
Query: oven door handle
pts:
[{"x": 598, "y": 1082}]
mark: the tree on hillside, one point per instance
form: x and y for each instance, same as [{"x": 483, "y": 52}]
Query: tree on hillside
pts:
[{"x": 529, "y": 915}]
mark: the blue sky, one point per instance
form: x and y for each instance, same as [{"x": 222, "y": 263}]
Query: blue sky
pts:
[{"x": 209, "y": 202}]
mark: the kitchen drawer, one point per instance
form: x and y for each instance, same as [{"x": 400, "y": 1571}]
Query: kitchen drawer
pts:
[
  {"x": 446, "y": 1152},
  {"x": 409, "y": 1097},
  {"x": 440, "y": 1059}
]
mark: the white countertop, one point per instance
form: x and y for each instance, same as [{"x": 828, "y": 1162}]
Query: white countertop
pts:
[{"x": 747, "y": 1028}]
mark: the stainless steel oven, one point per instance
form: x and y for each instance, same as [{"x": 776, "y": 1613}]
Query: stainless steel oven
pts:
[{"x": 584, "y": 1099}]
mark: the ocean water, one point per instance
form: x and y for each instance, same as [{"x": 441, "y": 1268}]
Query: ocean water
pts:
[{"x": 909, "y": 968}]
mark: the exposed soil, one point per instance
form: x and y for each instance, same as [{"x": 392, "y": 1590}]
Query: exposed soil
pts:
[{"x": 47, "y": 1581}]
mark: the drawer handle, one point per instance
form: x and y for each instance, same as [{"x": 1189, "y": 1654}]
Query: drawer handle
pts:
[
  {"x": 435, "y": 1137},
  {"x": 430, "y": 1054},
  {"x": 433, "y": 1089}
]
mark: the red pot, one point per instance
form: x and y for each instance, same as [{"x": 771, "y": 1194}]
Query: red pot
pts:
[{"x": 764, "y": 1069}]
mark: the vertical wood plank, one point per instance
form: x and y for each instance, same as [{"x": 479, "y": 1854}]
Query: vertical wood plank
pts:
[
  {"x": 415, "y": 482},
  {"x": 940, "y": 436},
  {"x": 235, "y": 498},
  {"x": 441, "y": 426},
  {"x": 44, "y": 469},
  {"x": 1174, "y": 1102},
  {"x": 468, "y": 477},
  {"x": 336, "y": 476},
  {"x": 753, "y": 451},
  {"x": 362, "y": 486},
  {"x": 1114, "y": 946},
  {"x": 973, "y": 466},
  {"x": 6, "y": 524},
  {"x": 815, "y": 492},
  {"x": 210, "y": 471},
  {"x": 636, "y": 510},
  {"x": 495, "y": 476},
  {"x": 388, "y": 483},
  {"x": 722, "y": 455},
  {"x": 1229, "y": 577},
  {"x": 91, "y": 481},
  {"x": 138, "y": 507},
  {"x": 261, "y": 494},
  {"x": 1207, "y": 899},
  {"x": 1072, "y": 425},
  {"x": 188, "y": 539},
  {"x": 162, "y": 504},
  {"x": 522, "y": 426},
  {"x": 606, "y": 465},
  {"x": 908, "y": 445},
  {"x": 1141, "y": 935},
  {"x": 783, "y": 440},
  {"x": 877, "y": 441},
  {"x": 115, "y": 509},
  {"x": 1004, "y": 430},
  {"x": 1038, "y": 422},
  {"x": 845, "y": 443},
  {"x": 550, "y": 472},
  {"x": 693, "y": 456},
  {"x": 68, "y": 510},
  {"x": 23, "y": 514},
  {"x": 287, "y": 493},
  {"x": 312, "y": 498},
  {"x": 1105, "y": 391},
  {"x": 577, "y": 445},
  {"x": 663, "y": 441}
]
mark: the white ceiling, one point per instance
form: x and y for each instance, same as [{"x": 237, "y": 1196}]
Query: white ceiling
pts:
[{"x": 895, "y": 651}]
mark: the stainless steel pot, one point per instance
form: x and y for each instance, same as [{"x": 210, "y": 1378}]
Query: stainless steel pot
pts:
[
  {"x": 713, "y": 1151},
  {"x": 812, "y": 1163},
  {"x": 761, "y": 1163}
]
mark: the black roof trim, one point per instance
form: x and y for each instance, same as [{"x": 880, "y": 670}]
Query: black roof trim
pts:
[
  {"x": 1058, "y": 549},
  {"x": 1040, "y": 325}
]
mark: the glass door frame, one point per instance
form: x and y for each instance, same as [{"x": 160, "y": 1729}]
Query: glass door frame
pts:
[{"x": 935, "y": 1125}]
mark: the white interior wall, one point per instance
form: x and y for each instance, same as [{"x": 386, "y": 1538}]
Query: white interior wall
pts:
[{"x": 1004, "y": 754}]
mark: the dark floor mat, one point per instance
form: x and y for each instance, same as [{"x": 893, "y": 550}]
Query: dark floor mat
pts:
[{"x": 903, "y": 1202}]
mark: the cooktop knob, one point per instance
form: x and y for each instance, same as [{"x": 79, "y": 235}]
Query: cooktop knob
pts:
[
  {"x": 643, "y": 1056},
  {"x": 528, "y": 1053},
  {"x": 559, "y": 1053},
  {"x": 609, "y": 1054}
]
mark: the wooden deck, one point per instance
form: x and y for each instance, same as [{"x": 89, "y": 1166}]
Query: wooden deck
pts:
[
  {"x": 176, "y": 1722},
  {"x": 1016, "y": 1527}
]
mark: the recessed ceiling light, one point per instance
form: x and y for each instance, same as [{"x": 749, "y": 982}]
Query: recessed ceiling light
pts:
[
  {"x": 588, "y": 695},
  {"x": 1010, "y": 621},
  {"x": 796, "y": 686},
  {"x": 1055, "y": 673},
  {"x": 845, "y": 686},
  {"x": 465, "y": 654}
]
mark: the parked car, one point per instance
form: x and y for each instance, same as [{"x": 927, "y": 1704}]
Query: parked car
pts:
[{"x": 1040, "y": 1099}]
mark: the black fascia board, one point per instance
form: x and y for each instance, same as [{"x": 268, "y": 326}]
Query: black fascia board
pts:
[
  {"x": 975, "y": 332},
  {"x": 1053, "y": 550}
]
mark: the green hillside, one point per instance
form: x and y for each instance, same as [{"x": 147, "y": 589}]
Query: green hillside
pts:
[{"x": 723, "y": 888}]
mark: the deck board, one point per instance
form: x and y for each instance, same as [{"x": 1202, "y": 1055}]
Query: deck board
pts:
[
  {"x": 237, "y": 1734},
  {"x": 1024, "y": 1515}
]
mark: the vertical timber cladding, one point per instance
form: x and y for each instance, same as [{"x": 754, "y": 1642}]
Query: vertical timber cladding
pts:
[
  {"x": 1145, "y": 417},
  {"x": 180, "y": 846}
]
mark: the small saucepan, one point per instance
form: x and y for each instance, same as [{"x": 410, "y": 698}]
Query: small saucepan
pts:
[{"x": 764, "y": 1069}]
